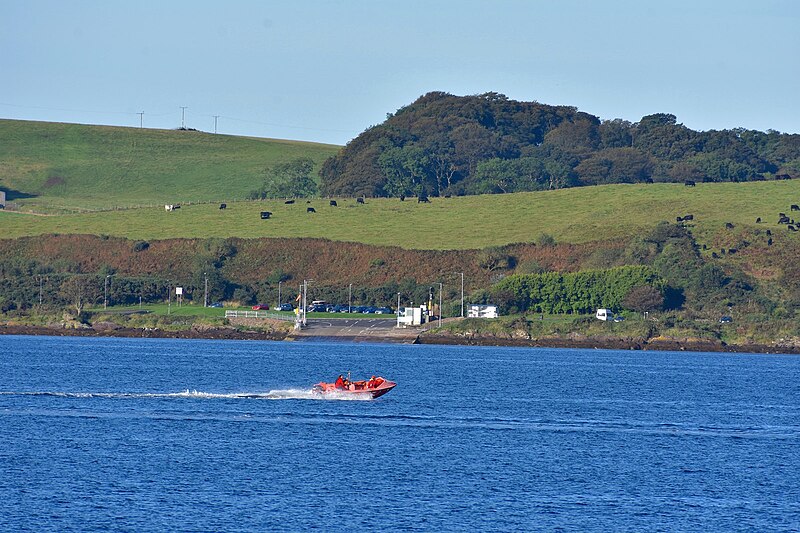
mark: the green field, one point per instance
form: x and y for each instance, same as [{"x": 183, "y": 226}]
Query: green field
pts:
[
  {"x": 570, "y": 215},
  {"x": 57, "y": 168}
]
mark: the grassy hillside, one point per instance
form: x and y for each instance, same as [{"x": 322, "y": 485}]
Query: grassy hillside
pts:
[
  {"x": 60, "y": 167},
  {"x": 570, "y": 215}
]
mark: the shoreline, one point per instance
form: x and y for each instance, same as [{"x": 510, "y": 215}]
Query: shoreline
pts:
[{"x": 426, "y": 338}]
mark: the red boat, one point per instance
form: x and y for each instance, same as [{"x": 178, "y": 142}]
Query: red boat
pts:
[{"x": 374, "y": 387}]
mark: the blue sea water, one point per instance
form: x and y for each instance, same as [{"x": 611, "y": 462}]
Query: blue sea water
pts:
[{"x": 196, "y": 435}]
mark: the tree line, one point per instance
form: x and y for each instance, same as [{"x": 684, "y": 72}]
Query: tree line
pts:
[{"x": 443, "y": 144}]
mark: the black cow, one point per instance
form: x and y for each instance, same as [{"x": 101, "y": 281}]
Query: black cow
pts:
[
  {"x": 728, "y": 225},
  {"x": 176, "y": 206},
  {"x": 422, "y": 199},
  {"x": 688, "y": 217},
  {"x": 758, "y": 220},
  {"x": 289, "y": 202},
  {"x": 795, "y": 207},
  {"x": 402, "y": 197},
  {"x": 783, "y": 220},
  {"x": 265, "y": 215},
  {"x": 792, "y": 228},
  {"x": 360, "y": 200},
  {"x": 678, "y": 219},
  {"x": 714, "y": 255},
  {"x": 310, "y": 210},
  {"x": 769, "y": 232},
  {"x": 769, "y": 242},
  {"x": 223, "y": 206},
  {"x": 689, "y": 183},
  {"x": 732, "y": 251},
  {"x": 333, "y": 203}
]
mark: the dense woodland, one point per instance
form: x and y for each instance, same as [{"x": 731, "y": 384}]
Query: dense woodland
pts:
[{"x": 454, "y": 145}]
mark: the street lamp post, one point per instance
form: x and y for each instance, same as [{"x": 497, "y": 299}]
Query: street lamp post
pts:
[
  {"x": 279, "y": 294},
  {"x": 205, "y": 295},
  {"x": 350, "y": 299},
  {"x": 462, "y": 293},
  {"x": 105, "y": 292},
  {"x": 440, "y": 304}
]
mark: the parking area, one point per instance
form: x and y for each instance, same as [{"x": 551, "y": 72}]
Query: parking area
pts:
[{"x": 378, "y": 329}]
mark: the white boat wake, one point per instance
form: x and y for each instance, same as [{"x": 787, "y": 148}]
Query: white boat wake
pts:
[{"x": 276, "y": 394}]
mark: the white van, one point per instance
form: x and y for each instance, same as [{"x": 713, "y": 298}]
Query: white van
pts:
[{"x": 604, "y": 314}]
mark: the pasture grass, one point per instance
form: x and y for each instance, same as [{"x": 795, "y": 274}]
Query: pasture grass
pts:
[
  {"x": 576, "y": 215},
  {"x": 57, "y": 168}
]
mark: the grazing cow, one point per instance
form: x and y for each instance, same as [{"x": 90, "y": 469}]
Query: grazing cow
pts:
[
  {"x": 792, "y": 228},
  {"x": 769, "y": 232},
  {"x": 728, "y": 225},
  {"x": 168, "y": 207},
  {"x": 769, "y": 242},
  {"x": 289, "y": 202},
  {"x": 310, "y": 210},
  {"x": 705, "y": 247},
  {"x": 714, "y": 255},
  {"x": 758, "y": 220},
  {"x": 265, "y": 215},
  {"x": 333, "y": 203},
  {"x": 689, "y": 183},
  {"x": 795, "y": 207},
  {"x": 732, "y": 251},
  {"x": 223, "y": 206},
  {"x": 422, "y": 198},
  {"x": 688, "y": 217},
  {"x": 176, "y": 206},
  {"x": 783, "y": 220},
  {"x": 402, "y": 197},
  {"x": 359, "y": 200}
]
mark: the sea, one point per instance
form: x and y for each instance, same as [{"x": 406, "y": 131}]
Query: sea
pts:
[{"x": 120, "y": 434}]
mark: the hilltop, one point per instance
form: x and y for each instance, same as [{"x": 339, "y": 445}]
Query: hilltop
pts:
[
  {"x": 55, "y": 167},
  {"x": 443, "y": 144}
]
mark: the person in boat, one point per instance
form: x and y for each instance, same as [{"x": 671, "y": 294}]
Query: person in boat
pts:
[
  {"x": 340, "y": 382},
  {"x": 371, "y": 383}
]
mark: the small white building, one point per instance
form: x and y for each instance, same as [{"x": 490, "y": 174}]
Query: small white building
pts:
[
  {"x": 604, "y": 314},
  {"x": 410, "y": 316},
  {"x": 2, "y": 199},
  {"x": 482, "y": 311}
]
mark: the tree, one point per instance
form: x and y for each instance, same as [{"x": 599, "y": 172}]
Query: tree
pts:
[
  {"x": 643, "y": 298},
  {"x": 288, "y": 180}
]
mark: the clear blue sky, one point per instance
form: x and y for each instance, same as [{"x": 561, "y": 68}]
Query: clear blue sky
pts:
[{"x": 325, "y": 71}]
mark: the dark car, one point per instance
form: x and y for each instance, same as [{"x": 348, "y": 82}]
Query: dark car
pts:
[
  {"x": 384, "y": 311},
  {"x": 725, "y": 320},
  {"x": 285, "y": 307},
  {"x": 317, "y": 308},
  {"x": 216, "y": 304}
]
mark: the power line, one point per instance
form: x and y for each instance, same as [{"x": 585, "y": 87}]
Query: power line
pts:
[{"x": 141, "y": 119}]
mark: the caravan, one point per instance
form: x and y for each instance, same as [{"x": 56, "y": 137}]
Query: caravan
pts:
[{"x": 604, "y": 314}]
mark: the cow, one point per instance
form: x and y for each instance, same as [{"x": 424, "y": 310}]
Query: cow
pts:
[
  {"x": 758, "y": 220},
  {"x": 223, "y": 206},
  {"x": 359, "y": 200},
  {"x": 689, "y": 183},
  {"x": 688, "y": 217},
  {"x": 287, "y": 202},
  {"x": 176, "y": 206},
  {"x": 265, "y": 215},
  {"x": 781, "y": 215},
  {"x": 783, "y": 177},
  {"x": 792, "y": 228},
  {"x": 714, "y": 255},
  {"x": 678, "y": 219},
  {"x": 769, "y": 242},
  {"x": 422, "y": 198},
  {"x": 732, "y": 251},
  {"x": 769, "y": 232},
  {"x": 402, "y": 197},
  {"x": 783, "y": 220},
  {"x": 728, "y": 225},
  {"x": 795, "y": 207},
  {"x": 168, "y": 207},
  {"x": 333, "y": 203},
  {"x": 310, "y": 210}
]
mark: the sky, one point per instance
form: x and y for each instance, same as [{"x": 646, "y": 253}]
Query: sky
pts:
[{"x": 325, "y": 71}]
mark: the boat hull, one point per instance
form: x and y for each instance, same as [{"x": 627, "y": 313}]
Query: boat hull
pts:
[{"x": 357, "y": 388}]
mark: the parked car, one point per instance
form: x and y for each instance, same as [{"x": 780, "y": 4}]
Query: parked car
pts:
[
  {"x": 384, "y": 311},
  {"x": 619, "y": 318},
  {"x": 216, "y": 304},
  {"x": 260, "y": 307},
  {"x": 368, "y": 309},
  {"x": 316, "y": 308},
  {"x": 285, "y": 307},
  {"x": 725, "y": 320}
]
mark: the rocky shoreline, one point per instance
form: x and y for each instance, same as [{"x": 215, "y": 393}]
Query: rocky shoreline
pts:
[{"x": 228, "y": 333}]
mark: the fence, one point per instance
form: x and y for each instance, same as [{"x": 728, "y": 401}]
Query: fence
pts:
[{"x": 258, "y": 314}]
